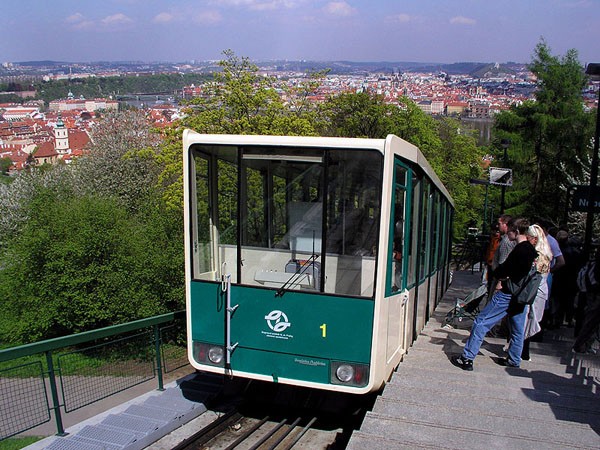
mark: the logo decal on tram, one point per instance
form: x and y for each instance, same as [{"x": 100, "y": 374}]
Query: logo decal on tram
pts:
[{"x": 277, "y": 321}]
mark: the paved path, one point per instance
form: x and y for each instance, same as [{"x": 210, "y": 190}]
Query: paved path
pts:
[{"x": 551, "y": 402}]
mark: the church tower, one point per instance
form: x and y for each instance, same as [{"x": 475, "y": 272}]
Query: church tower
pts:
[{"x": 61, "y": 137}]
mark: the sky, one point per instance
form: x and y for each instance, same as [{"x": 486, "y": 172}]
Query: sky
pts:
[{"x": 442, "y": 31}]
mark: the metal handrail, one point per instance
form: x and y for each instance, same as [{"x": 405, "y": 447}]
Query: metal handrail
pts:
[
  {"x": 47, "y": 346},
  {"x": 85, "y": 336}
]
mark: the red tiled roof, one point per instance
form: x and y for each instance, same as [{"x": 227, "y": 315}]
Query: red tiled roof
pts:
[
  {"x": 45, "y": 150},
  {"x": 78, "y": 140}
]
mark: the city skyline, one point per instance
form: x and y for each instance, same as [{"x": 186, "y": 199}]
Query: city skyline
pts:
[{"x": 353, "y": 30}]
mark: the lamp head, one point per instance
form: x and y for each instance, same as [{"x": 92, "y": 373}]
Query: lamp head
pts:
[{"x": 593, "y": 70}]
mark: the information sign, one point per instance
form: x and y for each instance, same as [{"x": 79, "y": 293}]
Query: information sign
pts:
[{"x": 579, "y": 200}]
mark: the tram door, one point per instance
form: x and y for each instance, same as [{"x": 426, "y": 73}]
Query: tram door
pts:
[{"x": 397, "y": 295}]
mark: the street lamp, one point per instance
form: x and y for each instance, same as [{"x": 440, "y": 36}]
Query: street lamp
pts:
[
  {"x": 593, "y": 70},
  {"x": 505, "y": 143}
]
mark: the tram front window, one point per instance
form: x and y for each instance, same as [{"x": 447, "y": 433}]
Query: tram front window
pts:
[{"x": 272, "y": 210}]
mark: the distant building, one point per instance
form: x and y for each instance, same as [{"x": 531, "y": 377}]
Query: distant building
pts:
[
  {"x": 45, "y": 154},
  {"x": 13, "y": 113},
  {"x": 479, "y": 110},
  {"x": 456, "y": 108},
  {"x": 425, "y": 106},
  {"x": 61, "y": 137},
  {"x": 83, "y": 104},
  {"x": 437, "y": 107},
  {"x": 191, "y": 91}
]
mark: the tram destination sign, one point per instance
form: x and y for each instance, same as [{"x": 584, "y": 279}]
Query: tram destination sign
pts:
[{"x": 579, "y": 199}]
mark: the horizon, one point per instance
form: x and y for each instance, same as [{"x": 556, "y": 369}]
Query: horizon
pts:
[
  {"x": 424, "y": 32},
  {"x": 132, "y": 61}
]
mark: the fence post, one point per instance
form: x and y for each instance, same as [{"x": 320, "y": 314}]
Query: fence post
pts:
[
  {"x": 54, "y": 391},
  {"x": 158, "y": 358}
]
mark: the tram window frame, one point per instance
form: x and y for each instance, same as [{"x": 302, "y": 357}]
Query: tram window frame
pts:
[
  {"x": 435, "y": 232},
  {"x": 366, "y": 187},
  {"x": 200, "y": 251},
  {"x": 414, "y": 231},
  {"x": 405, "y": 185},
  {"x": 425, "y": 230}
]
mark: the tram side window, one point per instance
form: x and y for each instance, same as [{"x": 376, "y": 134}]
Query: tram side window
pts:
[
  {"x": 397, "y": 233},
  {"x": 414, "y": 230},
  {"x": 201, "y": 231},
  {"x": 214, "y": 210},
  {"x": 353, "y": 203},
  {"x": 227, "y": 192},
  {"x": 425, "y": 229},
  {"x": 435, "y": 232}
]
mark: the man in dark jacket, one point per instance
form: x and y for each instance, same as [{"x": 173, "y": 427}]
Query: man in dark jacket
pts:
[{"x": 516, "y": 267}]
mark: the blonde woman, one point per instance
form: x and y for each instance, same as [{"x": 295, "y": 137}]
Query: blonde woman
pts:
[{"x": 536, "y": 236}]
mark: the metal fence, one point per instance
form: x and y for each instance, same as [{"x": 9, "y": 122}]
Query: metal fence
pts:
[{"x": 68, "y": 373}]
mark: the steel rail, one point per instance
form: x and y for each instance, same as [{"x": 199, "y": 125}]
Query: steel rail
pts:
[
  {"x": 301, "y": 434},
  {"x": 286, "y": 434},
  {"x": 209, "y": 432}
]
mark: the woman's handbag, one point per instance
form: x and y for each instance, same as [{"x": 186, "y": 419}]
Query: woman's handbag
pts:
[{"x": 524, "y": 293}]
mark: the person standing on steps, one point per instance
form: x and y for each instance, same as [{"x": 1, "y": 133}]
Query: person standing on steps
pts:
[
  {"x": 516, "y": 267},
  {"x": 537, "y": 237}
]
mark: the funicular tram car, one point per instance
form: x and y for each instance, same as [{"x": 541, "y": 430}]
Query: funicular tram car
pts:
[{"x": 310, "y": 261}]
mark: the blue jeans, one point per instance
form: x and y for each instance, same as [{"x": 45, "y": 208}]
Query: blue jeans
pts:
[{"x": 498, "y": 307}]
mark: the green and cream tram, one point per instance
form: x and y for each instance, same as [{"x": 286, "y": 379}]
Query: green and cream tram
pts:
[{"x": 310, "y": 261}]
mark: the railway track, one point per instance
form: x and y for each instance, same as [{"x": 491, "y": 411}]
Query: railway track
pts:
[
  {"x": 234, "y": 430},
  {"x": 247, "y": 415}
]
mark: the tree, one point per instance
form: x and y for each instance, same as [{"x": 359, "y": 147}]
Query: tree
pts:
[
  {"x": 551, "y": 129},
  {"x": 122, "y": 159},
  {"x": 84, "y": 262},
  {"x": 238, "y": 101},
  {"x": 356, "y": 115},
  {"x": 5, "y": 164},
  {"x": 452, "y": 153},
  {"x": 92, "y": 243}
]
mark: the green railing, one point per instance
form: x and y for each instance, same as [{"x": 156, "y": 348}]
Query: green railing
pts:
[{"x": 74, "y": 371}]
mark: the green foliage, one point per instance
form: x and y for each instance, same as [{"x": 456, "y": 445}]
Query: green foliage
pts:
[
  {"x": 551, "y": 130},
  {"x": 5, "y": 163},
  {"x": 90, "y": 244},
  {"x": 239, "y": 101},
  {"x": 82, "y": 263},
  {"x": 456, "y": 162},
  {"x": 357, "y": 115},
  {"x": 453, "y": 155},
  {"x": 18, "y": 443}
]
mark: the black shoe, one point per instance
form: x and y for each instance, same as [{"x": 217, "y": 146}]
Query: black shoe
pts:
[
  {"x": 462, "y": 362},
  {"x": 506, "y": 362}
]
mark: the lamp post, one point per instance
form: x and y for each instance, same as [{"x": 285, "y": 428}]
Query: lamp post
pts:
[
  {"x": 474, "y": 181},
  {"x": 505, "y": 143},
  {"x": 593, "y": 70}
]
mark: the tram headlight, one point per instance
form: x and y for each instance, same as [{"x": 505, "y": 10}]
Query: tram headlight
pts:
[
  {"x": 344, "y": 373},
  {"x": 209, "y": 354},
  {"x": 215, "y": 355},
  {"x": 349, "y": 374}
]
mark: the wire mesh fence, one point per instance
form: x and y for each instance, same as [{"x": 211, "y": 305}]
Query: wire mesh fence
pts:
[
  {"x": 88, "y": 369},
  {"x": 173, "y": 346},
  {"x": 96, "y": 372},
  {"x": 23, "y": 394}
]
